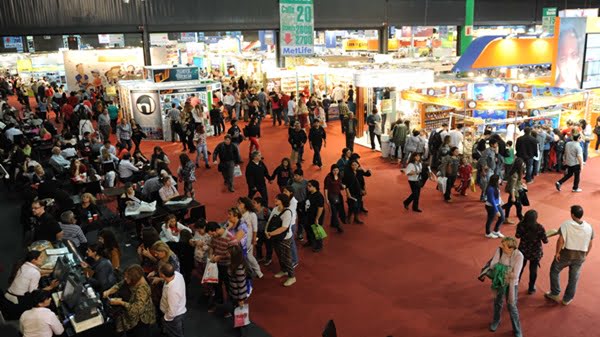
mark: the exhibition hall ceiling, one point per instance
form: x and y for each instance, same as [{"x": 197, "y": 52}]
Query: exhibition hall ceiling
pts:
[{"x": 34, "y": 17}]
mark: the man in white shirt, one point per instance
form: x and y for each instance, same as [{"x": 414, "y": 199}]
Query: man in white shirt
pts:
[
  {"x": 338, "y": 94},
  {"x": 172, "y": 302},
  {"x": 573, "y": 161},
  {"x": 126, "y": 169},
  {"x": 573, "y": 246},
  {"x": 229, "y": 102},
  {"x": 40, "y": 321},
  {"x": 291, "y": 109},
  {"x": 456, "y": 137}
]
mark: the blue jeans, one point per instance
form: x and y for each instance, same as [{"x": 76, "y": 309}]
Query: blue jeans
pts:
[
  {"x": 491, "y": 214},
  {"x": 201, "y": 150},
  {"x": 501, "y": 294},
  {"x": 585, "y": 145},
  {"x": 174, "y": 328},
  {"x": 484, "y": 178},
  {"x": 574, "y": 271}
]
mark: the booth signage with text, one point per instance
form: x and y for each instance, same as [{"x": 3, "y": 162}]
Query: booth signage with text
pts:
[{"x": 296, "y": 26}]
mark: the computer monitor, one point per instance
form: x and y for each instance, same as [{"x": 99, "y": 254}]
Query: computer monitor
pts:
[
  {"x": 72, "y": 292},
  {"x": 61, "y": 269}
]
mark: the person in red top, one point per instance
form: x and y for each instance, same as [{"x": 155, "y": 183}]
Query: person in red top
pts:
[
  {"x": 73, "y": 100},
  {"x": 67, "y": 112},
  {"x": 464, "y": 174}
]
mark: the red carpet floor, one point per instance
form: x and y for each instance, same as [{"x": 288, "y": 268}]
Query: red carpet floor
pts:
[{"x": 407, "y": 274}]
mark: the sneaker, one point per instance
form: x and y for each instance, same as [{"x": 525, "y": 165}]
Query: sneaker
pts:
[
  {"x": 491, "y": 236},
  {"x": 498, "y": 234},
  {"x": 554, "y": 298},
  {"x": 290, "y": 281},
  {"x": 260, "y": 275},
  {"x": 566, "y": 302},
  {"x": 280, "y": 274},
  {"x": 557, "y": 184},
  {"x": 531, "y": 291},
  {"x": 508, "y": 222},
  {"x": 295, "y": 265},
  {"x": 494, "y": 326},
  {"x": 268, "y": 262},
  {"x": 578, "y": 190}
]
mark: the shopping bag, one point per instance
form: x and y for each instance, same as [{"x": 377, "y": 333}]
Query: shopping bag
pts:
[
  {"x": 211, "y": 273},
  {"x": 442, "y": 181},
  {"x": 237, "y": 171},
  {"x": 319, "y": 231},
  {"x": 472, "y": 183},
  {"x": 524, "y": 198},
  {"x": 241, "y": 316}
]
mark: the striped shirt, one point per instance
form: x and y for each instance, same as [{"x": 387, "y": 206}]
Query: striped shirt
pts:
[
  {"x": 238, "y": 287},
  {"x": 74, "y": 233},
  {"x": 219, "y": 247}
]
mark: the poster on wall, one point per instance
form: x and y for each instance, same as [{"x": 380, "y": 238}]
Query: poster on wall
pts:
[
  {"x": 86, "y": 69},
  {"x": 491, "y": 92},
  {"x": 569, "y": 61},
  {"x": 175, "y": 74},
  {"x": 146, "y": 112}
]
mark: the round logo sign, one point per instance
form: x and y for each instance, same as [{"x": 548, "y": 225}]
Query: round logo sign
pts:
[{"x": 145, "y": 104}]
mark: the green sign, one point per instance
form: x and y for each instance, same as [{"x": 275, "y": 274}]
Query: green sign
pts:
[
  {"x": 296, "y": 27},
  {"x": 548, "y": 18}
]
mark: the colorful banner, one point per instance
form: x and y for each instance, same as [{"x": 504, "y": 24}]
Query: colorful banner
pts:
[
  {"x": 443, "y": 101},
  {"x": 296, "y": 27},
  {"x": 87, "y": 69},
  {"x": 548, "y": 19}
]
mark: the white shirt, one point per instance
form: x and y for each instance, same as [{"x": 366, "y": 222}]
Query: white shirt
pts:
[
  {"x": 286, "y": 220},
  {"x": 291, "y": 107},
  {"x": 252, "y": 222},
  {"x": 416, "y": 168},
  {"x": 40, "y": 322},
  {"x": 456, "y": 139},
  {"x": 27, "y": 279},
  {"x": 68, "y": 152},
  {"x": 172, "y": 302},
  {"x": 577, "y": 236},
  {"x": 12, "y": 132},
  {"x": 229, "y": 100},
  {"x": 294, "y": 208},
  {"x": 338, "y": 94},
  {"x": 126, "y": 169}
]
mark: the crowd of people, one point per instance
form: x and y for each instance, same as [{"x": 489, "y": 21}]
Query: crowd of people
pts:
[{"x": 90, "y": 146}]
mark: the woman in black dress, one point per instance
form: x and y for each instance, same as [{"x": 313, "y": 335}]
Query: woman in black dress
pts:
[{"x": 532, "y": 235}]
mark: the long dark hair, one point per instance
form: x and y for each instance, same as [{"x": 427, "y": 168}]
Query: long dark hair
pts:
[
  {"x": 517, "y": 167},
  {"x": 247, "y": 204},
  {"x": 30, "y": 256},
  {"x": 110, "y": 241},
  {"x": 237, "y": 258},
  {"x": 184, "y": 159},
  {"x": 494, "y": 184},
  {"x": 413, "y": 157},
  {"x": 530, "y": 225}
]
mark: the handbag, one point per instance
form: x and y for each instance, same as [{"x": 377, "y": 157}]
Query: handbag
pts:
[
  {"x": 241, "y": 316},
  {"x": 319, "y": 231},
  {"x": 524, "y": 198},
  {"x": 487, "y": 271},
  {"x": 442, "y": 181}
]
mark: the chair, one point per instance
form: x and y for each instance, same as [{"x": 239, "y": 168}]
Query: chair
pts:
[
  {"x": 196, "y": 214},
  {"x": 330, "y": 330}
]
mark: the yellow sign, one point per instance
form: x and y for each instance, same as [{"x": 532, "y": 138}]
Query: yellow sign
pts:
[
  {"x": 355, "y": 45},
  {"x": 541, "y": 102},
  {"x": 496, "y": 105},
  {"x": 24, "y": 65}
]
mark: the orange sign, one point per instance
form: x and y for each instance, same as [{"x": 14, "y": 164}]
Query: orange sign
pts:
[{"x": 442, "y": 101}]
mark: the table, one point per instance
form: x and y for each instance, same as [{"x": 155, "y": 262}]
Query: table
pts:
[{"x": 113, "y": 191}]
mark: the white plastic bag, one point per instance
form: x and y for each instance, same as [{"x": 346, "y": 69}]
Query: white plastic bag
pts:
[
  {"x": 442, "y": 181},
  {"x": 237, "y": 171},
  {"x": 211, "y": 273},
  {"x": 241, "y": 316}
]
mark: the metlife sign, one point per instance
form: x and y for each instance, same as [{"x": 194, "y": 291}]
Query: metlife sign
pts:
[{"x": 296, "y": 27}]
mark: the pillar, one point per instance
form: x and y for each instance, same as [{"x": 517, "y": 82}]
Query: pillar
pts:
[
  {"x": 279, "y": 59},
  {"x": 465, "y": 40},
  {"x": 145, "y": 34},
  {"x": 383, "y": 36}
]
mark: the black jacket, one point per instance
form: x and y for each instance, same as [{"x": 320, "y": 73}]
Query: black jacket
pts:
[
  {"x": 526, "y": 147},
  {"x": 227, "y": 153},
  {"x": 256, "y": 174},
  {"x": 297, "y": 138},
  {"x": 317, "y": 136},
  {"x": 252, "y": 131}
]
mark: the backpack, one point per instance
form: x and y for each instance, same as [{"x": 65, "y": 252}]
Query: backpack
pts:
[
  {"x": 276, "y": 222},
  {"x": 435, "y": 140}
]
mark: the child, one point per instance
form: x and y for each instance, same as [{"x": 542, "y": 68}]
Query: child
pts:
[
  {"x": 508, "y": 161},
  {"x": 201, "y": 243},
  {"x": 464, "y": 174}
]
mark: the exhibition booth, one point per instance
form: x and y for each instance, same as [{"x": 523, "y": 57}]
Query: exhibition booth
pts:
[
  {"x": 146, "y": 101},
  {"x": 498, "y": 104}
]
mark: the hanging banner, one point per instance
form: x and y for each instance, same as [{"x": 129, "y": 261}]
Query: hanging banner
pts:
[
  {"x": 175, "y": 74},
  {"x": 146, "y": 112},
  {"x": 296, "y": 27}
]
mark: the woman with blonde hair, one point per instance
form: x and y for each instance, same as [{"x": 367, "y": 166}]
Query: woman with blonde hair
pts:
[
  {"x": 505, "y": 269},
  {"x": 87, "y": 210},
  {"x": 164, "y": 254}
]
